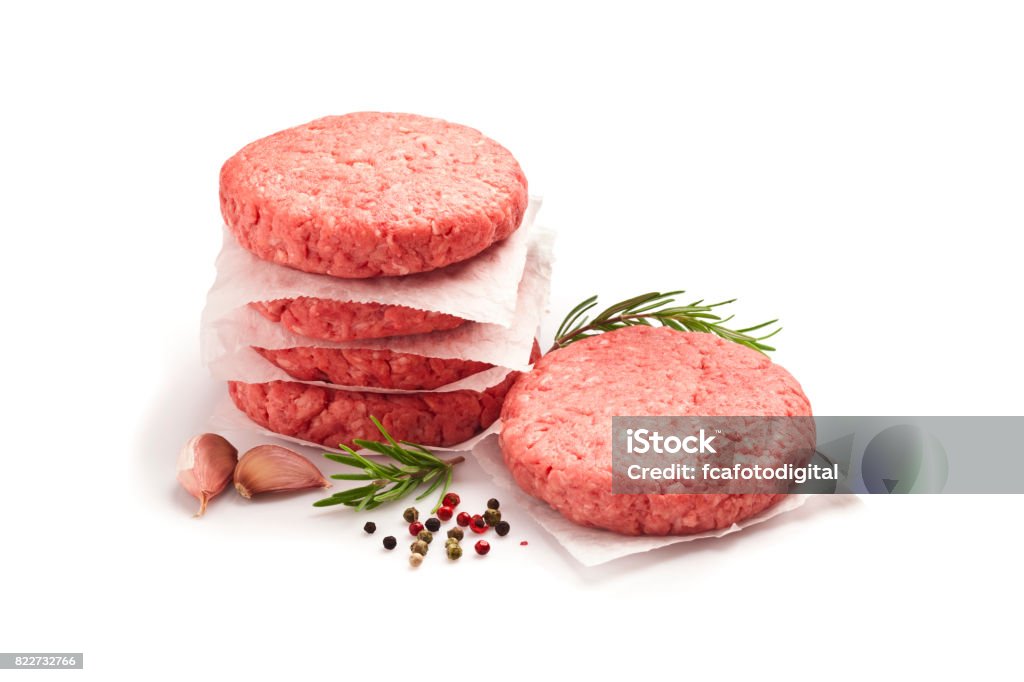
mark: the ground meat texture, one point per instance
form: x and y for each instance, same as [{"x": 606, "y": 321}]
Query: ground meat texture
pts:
[
  {"x": 371, "y": 194},
  {"x": 556, "y": 422},
  {"x": 331, "y": 417},
  {"x": 329, "y": 320},
  {"x": 371, "y": 368}
]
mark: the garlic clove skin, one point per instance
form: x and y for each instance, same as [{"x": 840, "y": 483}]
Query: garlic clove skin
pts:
[
  {"x": 274, "y": 469},
  {"x": 205, "y": 465}
]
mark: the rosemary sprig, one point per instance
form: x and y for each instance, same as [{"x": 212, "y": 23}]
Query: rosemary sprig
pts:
[
  {"x": 416, "y": 466},
  {"x": 653, "y": 308}
]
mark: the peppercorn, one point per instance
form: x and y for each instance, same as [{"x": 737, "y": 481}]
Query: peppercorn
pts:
[
  {"x": 463, "y": 519},
  {"x": 411, "y": 514},
  {"x": 456, "y": 533},
  {"x": 415, "y": 527},
  {"x": 493, "y": 503},
  {"x": 433, "y": 525},
  {"x": 415, "y": 560},
  {"x": 418, "y": 547},
  {"x": 451, "y": 541},
  {"x": 502, "y": 528},
  {"x": 451, "y": 500},
  {"x": 482, "y": 547},
  {"x": 444, "y": 512},
  {"x": 492, "y": 517},
  {"x": 370, "y": 527},
  {"x": 426, "y": 536},
  {"x": 390, "y": 542},
  {"x": 454, "y": 551},
  {"x": 477, "y": 524}
]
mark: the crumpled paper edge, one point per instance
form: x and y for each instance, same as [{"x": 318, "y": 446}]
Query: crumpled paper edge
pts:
[
  {"x": 593, "y": 546},
  {"x": 252, "y": 368}
]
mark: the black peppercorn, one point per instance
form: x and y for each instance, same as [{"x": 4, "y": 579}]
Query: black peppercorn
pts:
[
  {"x": 390, "y": 542},
  {"x": 502, "y": 528},
  {"x": 370, "y": 527},
  {"x": 433, "y": 524},
  {"x": 492, "y": 517},
  {"x": 493, "y": 503}
]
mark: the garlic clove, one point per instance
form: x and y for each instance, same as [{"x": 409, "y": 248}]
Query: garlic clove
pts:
[
  {"x": 205, "y": 466},
  {"x": 272, "y": 469}
]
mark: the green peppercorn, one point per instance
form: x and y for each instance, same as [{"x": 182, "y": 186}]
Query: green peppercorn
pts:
[
  {"x": 418, "y": 547},
  {"x": 411, "y": 514},
  {"x": 426, "y": 536},
  {"x": 456, "y": 533},
  {"x": 492, "y": 517},
  {"x": 415, "y": 560},
  {"x": 451, "y": 541},
  {"x": 454, "y": 551}
]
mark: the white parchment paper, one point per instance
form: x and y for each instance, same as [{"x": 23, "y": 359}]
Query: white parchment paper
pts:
[
  {"x": 226, "y": 337},
  {"x": 592, "y": 546},
  {"x": 482, "y": 289},
  {"x": 247, "y": 365}
]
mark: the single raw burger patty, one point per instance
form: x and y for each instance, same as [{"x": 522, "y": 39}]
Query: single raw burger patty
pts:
[
  {"x": 328, "y": 320},
  {"x": 371, "y": 194},
  {"x": 557, "y": 422},
  {"x": 371, "y": 368},
  {"x": 332, "y": 417}
]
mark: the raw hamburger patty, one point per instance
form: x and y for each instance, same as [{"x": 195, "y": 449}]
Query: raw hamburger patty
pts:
[
  {"x": 371, "y": 194},
  {"x": 320, "y": 318},
  {"x": 372, "y": 368},
  {"x": 556, "y": 422},
  {"x": 330, "y": 417}
]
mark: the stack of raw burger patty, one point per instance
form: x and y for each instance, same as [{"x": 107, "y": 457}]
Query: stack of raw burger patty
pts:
[{"x": 369, "y": 195}]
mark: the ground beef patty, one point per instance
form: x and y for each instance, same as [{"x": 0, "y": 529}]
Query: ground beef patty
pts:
[
  {"x": 371, "y": 194},
  {"x": 320, "y": 318},
  {"x": 329, "y": 417},
  {"x": 556, "y": 422},
  {"x": 371, "y": 368}
]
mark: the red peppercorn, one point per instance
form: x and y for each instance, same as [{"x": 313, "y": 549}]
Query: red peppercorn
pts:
[
  {"x": 477, "y": 524},
  {"x": 415, "y": 527},
  {"x": 463, "y": 519},
  {"x": 444, "y": 512},
  {"x": 451, "y": 500},
  {"x": 482, "y": 547}
]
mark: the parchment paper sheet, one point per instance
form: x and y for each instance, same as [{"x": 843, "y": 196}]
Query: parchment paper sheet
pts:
[
  {"x": 482, "y": 289},
  {"x": 249, "y": 366},
  {"x": 591, "y": 546},
  {"x": 226, "y": 337}
]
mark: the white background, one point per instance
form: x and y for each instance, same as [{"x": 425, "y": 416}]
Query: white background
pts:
[{"x": 853, "y": 168}]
